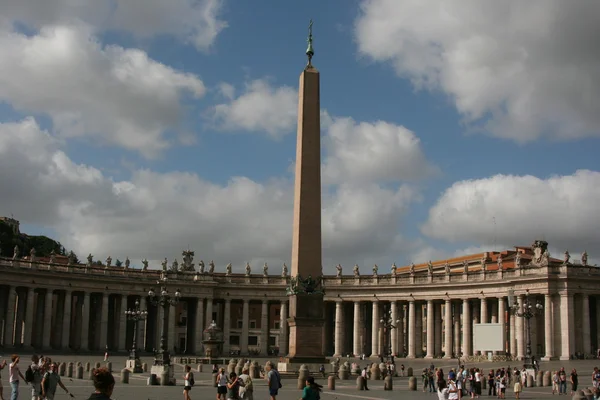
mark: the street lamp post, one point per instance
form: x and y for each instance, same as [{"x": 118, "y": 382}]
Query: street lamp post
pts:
[
  {"x": 135, "y": 316},
  {"x": 527, "y": 310},
  {"x": 163, "y": 299},
  {"x": 388, "y": 323}
]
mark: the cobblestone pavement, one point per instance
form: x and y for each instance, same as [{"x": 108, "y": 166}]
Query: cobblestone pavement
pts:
[{"x": 345, "y": 390}]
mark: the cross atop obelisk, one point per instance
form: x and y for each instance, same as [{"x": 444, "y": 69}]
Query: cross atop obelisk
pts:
[{"x": 305, "y": 290}]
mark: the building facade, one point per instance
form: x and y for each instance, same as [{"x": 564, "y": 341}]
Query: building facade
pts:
[{"x": 50, "y": 304}]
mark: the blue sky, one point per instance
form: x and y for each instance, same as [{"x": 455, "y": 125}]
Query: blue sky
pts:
[{"x": 141, "y": 128}]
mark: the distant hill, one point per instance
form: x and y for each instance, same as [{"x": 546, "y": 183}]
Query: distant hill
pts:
[{"x": 43, "y": 245}]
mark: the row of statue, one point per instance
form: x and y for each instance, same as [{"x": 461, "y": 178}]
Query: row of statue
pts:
[{"x": 541, "y": 257}]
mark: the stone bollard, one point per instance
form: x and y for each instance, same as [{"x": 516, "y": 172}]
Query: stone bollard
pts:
[
  {"x": 231, "y": 366},
  {"x": 375, "y": 372},
  {"x": 388, "y": 383},
  {"x": 70, "y": 370},
  {"x": 303, "y": 373},
  {"x": 356, "y": 370},
  {"x": 109, "y": 366},
  {"x": 97, "y": 365},
  {"x": 256, "y": 370},
  {"x": 360, "y": 383},
  {"x": 164, "y": 378},
  {"x": 88, "y": 366},
  {"x": 145, "y": 367},
  {"x": 124, "y": 375},
  {"x": 343, "y": 373},
  {"x": 91, "y": 374},
  {"x": 239, "y": 366},
  {"x": 539, "y": 378},
  {"x": 530, "y": 381},
  {"x": 215, "y": 379},
  {"x": 331, "y": 382},
  {"x": 153, "y": 380},
  {"x": 409, "y": 371},
  {"x": 412, "y": 383},
  {"x": 547, "y": 378},
  {"x": 483, "y": 382},
  {"x": 79, "y": 372},
  {"x": 61, "y": 369},
  {"x": 199, "y": 367}
]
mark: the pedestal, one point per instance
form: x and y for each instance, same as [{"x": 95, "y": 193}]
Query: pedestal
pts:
[
  {"x": 160, "y": 370},
  {"x": 134, "y": 366}
]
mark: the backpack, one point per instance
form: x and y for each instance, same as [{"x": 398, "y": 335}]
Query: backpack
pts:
[
  {"x": 29, "y": 375},
  {"x": 248, "y": 385},
  {"x": 191, "y": 379},
  {"x": 278, "y": 379}
]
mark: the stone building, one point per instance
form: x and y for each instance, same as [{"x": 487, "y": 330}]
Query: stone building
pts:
[{"x": 436, "y": 304}]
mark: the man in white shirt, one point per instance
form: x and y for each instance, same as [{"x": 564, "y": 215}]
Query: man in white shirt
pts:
[{"x": 365, "y": 375}]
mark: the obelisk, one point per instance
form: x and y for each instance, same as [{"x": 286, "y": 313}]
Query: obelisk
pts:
[{"x": 306, "y": 317}]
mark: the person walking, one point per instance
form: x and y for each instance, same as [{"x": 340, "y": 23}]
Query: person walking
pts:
[
  {"x": 50, "y": 381},
  {"x": 188, "y": 382},
  {"x": 365, "y": 375},
  {"x": 273, "y": 381},
  {"x": 574, "y": 381},
  {"x": 14, "y": 374},
  {"x": 221, "y": 384},
  {"x": 2, "y": 366}
]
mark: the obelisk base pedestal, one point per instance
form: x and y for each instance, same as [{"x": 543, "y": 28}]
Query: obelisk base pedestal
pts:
[{"x": 306, "y": 345}]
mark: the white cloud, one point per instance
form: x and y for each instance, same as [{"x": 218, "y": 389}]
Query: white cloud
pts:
[
  {"x": 260, "y": 108},
  {"x": 373, "y": 152},
  {"x": 196, "y": 21},
  {"x": 515, "y": 210},
  {"x": 119, "y": 96},
  {"x": 517, "y": 69},
  {"x": 157, "y": 215}
]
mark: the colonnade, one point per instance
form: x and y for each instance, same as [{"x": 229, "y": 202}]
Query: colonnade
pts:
[{"x": 435, "y": 328}]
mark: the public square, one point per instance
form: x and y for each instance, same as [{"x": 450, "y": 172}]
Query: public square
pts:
[{"x": 138, "y": 389}]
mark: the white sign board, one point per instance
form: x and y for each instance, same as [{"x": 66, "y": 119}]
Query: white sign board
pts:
[{"x": 488, "y": 337}]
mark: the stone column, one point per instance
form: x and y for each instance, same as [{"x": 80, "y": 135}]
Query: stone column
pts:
[
  {"x": 501, "y": 321},
  {"x": 467, "y": 349},
  {"x": 29, "y": 333},
  {"x": 160, "y": 314},
  {"x": 283, "y": 329},
  {"x": 513, "y": 332},
  {"x": 141, "y": 330},
  {"x": 448, "y": 329},
  {"x": 356, "y": 343},
  {"x": 400, "y": 330},
  {"x": 123, "y": 323},
  {"x": 47, "y": 319},
  {"x": 85, "y": 323},
  {"x": 430, "y": 329},
  {"x": 484, "y": 312},
  {"x": 375, "y": 330},
  {"x": 585, "y": 316},
  {"x": 227, "y": 327},
  {"x": 9, "y": 330},
  {"x": 171, "y": 333},
  {"x": 411, "y": 330},
  {"x": 209, "y": 311},
  {"x": 457, "y": 347},
  {"x": 567, "y": 323},
  {"x": 548, "y": 328},
  {"x": 66, "y": 322},
  {"x": 199, "y": 329},
  {"x": 339, "y": 329},
  {"x": 394, "y": 332},
  {"x": 104, "y": 322},
  {"x": 264, "y": 329},
  {"x": 245, "y": 322},
  {"x": 519, "y": 331}
]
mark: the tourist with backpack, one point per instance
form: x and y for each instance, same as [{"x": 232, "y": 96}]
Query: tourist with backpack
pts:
[
  {"x": 33, "y": 376},
  {"x": 188, "y": 382}
]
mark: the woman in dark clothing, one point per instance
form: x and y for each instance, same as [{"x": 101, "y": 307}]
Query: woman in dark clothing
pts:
[
  {"x": 104, "y": 383},
  {"x": 491, "y": 383},
  {"x": 574, "y": 381}
]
